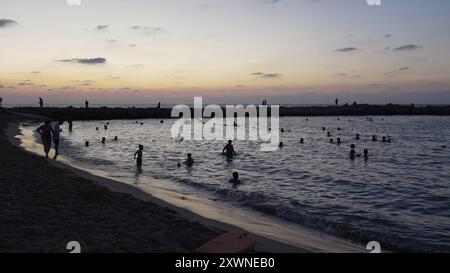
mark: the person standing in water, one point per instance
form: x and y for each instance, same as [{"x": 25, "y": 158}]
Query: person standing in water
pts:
[
  {"x": 189, "y": 161},
  {"x": 228, "y": 150},
  {"x": 70, "y": 125},
  {"x": 46, "y": 136},
  {"x": 41, "y": 102},
  {"x": 235, "y": 179},
  {"x": 86, "y": 104},
  {"x": 56, "y": 130},
  {"x": 138, "y": 156}
]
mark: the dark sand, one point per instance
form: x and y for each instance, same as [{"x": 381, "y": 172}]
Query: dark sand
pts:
[{"x": 43, "y": 207}]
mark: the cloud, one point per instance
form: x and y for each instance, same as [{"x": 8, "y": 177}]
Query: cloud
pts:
[
  {"x": 2, "y": 86},
  {"x": 132, "y": 45},
  {"x": 407, "y": 47},
  {"x": 111, "y": 41},
  {"x": 388, "y": 35},
  {"x": 148, "y": 30},
  {"x": 267, "y": 75},
  {"x": 102, "y": 27},
  {"x": 89, "y": 61},
  {"x": 403, "y": 68},
  {"x": 7, "y": 23},
  {"x": 347, "y": 49},
  {"x": 35, "y": 72}
]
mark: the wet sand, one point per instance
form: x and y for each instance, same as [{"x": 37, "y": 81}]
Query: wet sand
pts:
[{"x": 45, "y": 204}]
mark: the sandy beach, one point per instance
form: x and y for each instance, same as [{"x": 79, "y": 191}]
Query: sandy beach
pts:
[{"x": 45, "y": 204}]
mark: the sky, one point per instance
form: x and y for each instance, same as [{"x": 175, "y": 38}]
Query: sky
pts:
[{"x": 227, "y": 51}]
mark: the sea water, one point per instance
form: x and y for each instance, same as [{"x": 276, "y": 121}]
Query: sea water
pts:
[{"x": 400, "y": 196}]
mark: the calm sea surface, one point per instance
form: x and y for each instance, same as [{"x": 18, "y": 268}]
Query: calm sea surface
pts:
[{"x": 400, "y": 196}]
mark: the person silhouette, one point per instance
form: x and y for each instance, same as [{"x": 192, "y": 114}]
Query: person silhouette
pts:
[
  {"x": 46, "y": 136},
  {"x": 228, "y": 150},
  {"x": 366, "y": 154},
  {"x": 235, "y": 180},
  {"x": 189, "y": 161},
  {"x": 41, "y": 102},
  {"x": 138, "y": 156},
  {"x": 56, "y": 130},
  {"x": 86, "y": 104}
]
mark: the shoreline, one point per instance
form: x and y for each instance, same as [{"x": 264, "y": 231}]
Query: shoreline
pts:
[
  {"x": 313, "y": 242},
  {"x": 264, "y": 245}
]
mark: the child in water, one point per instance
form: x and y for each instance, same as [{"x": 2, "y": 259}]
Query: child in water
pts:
[
  {"x": 235, "y": 179},
  {"x": 189, "y": 161},
  {"x": 138, "y": 156}
]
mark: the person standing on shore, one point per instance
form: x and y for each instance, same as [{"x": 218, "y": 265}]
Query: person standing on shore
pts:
[
  {"x": 56, "y": 130},
  {"x": 41, "y": 102},
  {"x": 86, "y": 104},
  {"x": 46, "y": 136}
]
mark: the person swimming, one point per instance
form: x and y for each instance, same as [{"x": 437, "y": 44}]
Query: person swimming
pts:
[
  {"x": 374, "y": 138},
  {"x": 302, "y": 141},
  {"x": 331, "y": 140},
  {"x": 46, "y": 136},
  {"x": 323, "y": 129},
  {"x": 228, "y": 150},
  {"x": 235, "y": 179},
  {"x": 86, "y": 144},
  {"x": 352, "y": 146},
  {"x": 357, "y": 137},
  {"x": 189, "y": 161},
  {"x": 338, "y": 140},
  {"x": 384, "y": 139},
  {"x": 103, "y": 140},
  {"x": 281, "y": 145},
  {"x": 106, "y": 127},
  {"x": 352, "y": 154},
  {"x": 116, "y": 138},
  {"x": 366, "y": 154},
  {"x": 138, "y": 156},
  {"x": 328, "y": 134}
]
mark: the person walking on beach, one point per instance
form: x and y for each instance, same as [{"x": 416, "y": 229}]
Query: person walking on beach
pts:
[
  {"x": 228, "y": 150},
  {"x": 41, "y": 102},
  {"x": 86, "y": 104},
  {"x": 56, "y": 130},
  {"x": 138, "y": 156},
  {"x": 46, "y": 136}
]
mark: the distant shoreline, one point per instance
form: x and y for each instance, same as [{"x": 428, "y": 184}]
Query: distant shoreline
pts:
[{"x": 108, "y": 113}]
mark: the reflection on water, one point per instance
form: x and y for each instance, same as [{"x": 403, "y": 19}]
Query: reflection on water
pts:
[{"x": 400, "y": 196}]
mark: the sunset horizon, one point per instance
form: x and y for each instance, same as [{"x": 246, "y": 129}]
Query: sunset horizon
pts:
[{"x": 290, "y": 52}]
